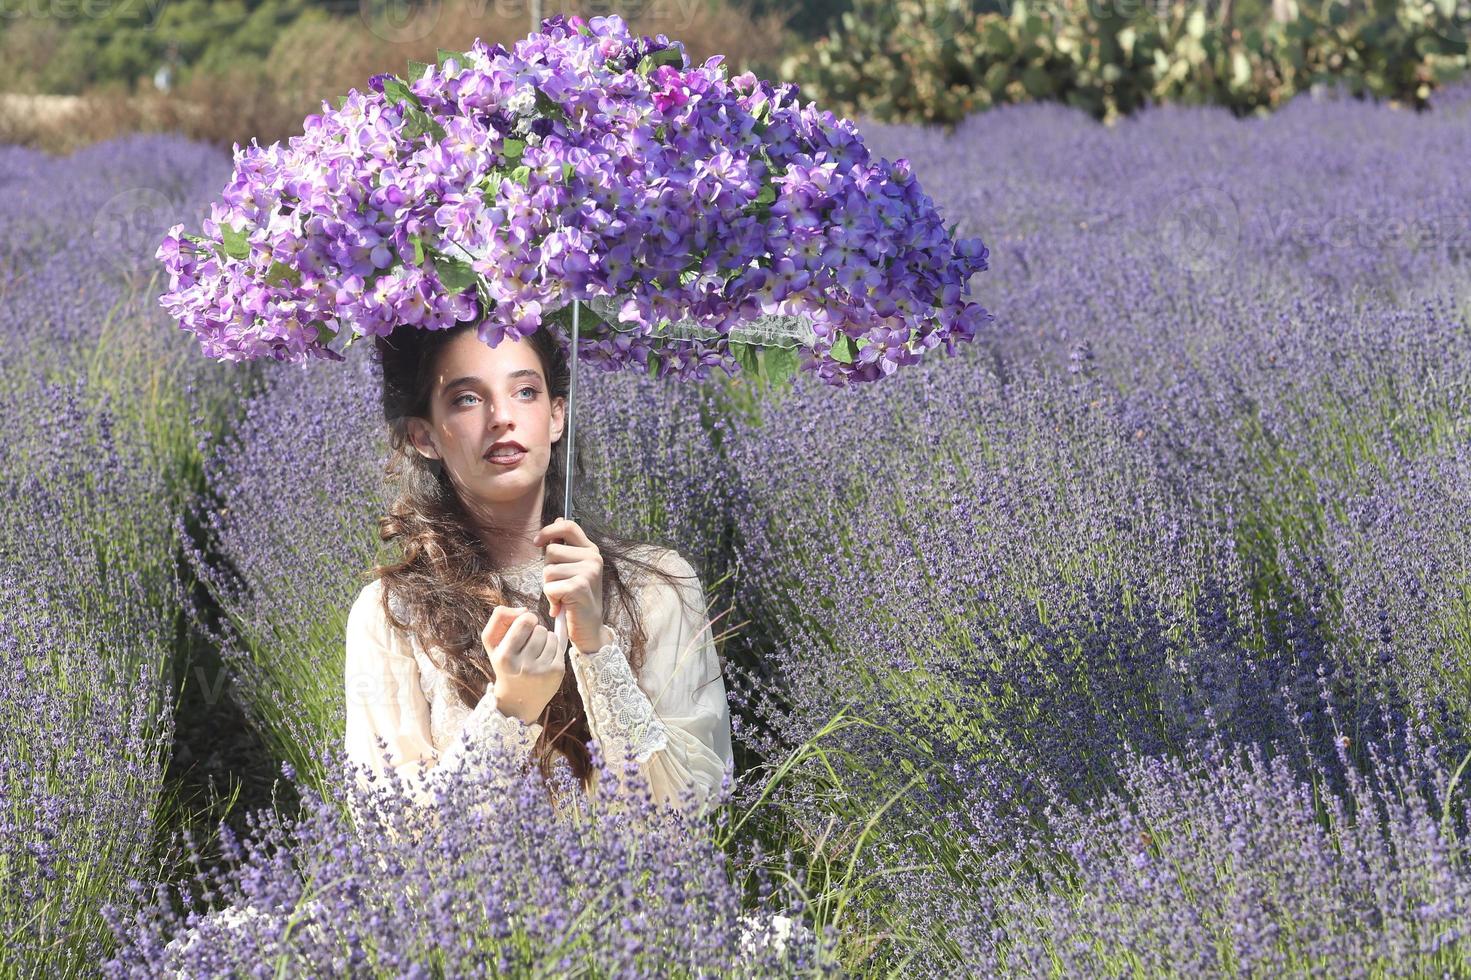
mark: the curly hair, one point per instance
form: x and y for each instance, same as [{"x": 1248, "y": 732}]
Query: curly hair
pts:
[{"x": 447, "y": 581}]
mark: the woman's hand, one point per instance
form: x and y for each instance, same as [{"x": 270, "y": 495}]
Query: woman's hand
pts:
[
  {"x": 529, "y": 661},
  {"x": 573, "y": 580}
]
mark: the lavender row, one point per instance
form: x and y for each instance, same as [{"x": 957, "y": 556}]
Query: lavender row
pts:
[
  {"x": 1194, "y": 477},
  {"x": 103, "y": 407}
]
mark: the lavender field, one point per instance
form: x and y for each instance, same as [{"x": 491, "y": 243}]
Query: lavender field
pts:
[{"x": 1134, "y": 640}]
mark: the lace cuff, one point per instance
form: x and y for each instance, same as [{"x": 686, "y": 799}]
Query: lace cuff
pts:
[
  {"x": 619, "y": 712},
  {"x": 486, "y": 724}
]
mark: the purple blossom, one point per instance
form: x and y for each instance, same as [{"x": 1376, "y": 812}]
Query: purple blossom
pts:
[{"x": 626, "y": 179}]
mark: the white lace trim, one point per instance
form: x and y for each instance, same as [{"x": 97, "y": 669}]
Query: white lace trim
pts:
[
  {"x": 488, "y": 724},
  {"x": 619, "y": 712}
]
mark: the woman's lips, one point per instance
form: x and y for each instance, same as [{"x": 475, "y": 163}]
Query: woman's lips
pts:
[{"x": 510, "y": 460}]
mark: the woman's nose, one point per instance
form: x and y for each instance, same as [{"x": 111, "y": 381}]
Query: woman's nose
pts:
[{"x": 500, "y": 413}]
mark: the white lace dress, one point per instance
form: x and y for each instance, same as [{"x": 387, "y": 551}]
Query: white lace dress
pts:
[{"x": 673, "y": 715}]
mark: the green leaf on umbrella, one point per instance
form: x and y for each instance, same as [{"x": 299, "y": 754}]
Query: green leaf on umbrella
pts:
[
  {"x": 325, "y": 334},
  {"x": 417, "y": 122},
  {"x": 282, "y": 273},
  {"x": 417, "y": 69},
  {"x": 396, "y": 90},
  {"x": 237, "y": 245},
  {"x": 548, "y": 106},
  {"x": 522, "y": 175},
  {"x": 655, "y": 359},
  {"x": 201, "y": 240},
  {"x": 561, "y": 317},
  {"x": 568, "y": 169},
  {"x": 511, "y": 150},
  {"x": 845, "y": 349},
  {"x": 493, "y": 182},
  {"x": 590, "y": 323},
  {"x": 951, "y": 232},
  {"x": 441, "y": 56},
  {"x": 664, "y": 56},
  {"x": 780, "y": 363},
  {"x": 456, "y": 274},
  {"x": 341, "y": 101},
  {"x": 745, "y": 355}
]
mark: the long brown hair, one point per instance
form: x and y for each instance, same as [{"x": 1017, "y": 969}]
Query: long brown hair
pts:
[{"x": 445, "y": 578}]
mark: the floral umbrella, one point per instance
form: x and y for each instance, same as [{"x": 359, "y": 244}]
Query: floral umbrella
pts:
[{"x": 702, "y": 221}]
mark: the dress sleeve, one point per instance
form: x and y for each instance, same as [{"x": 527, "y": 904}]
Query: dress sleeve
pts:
[
  {"x": 673, "y": 718},
  {"x": 385, "y": 700}
]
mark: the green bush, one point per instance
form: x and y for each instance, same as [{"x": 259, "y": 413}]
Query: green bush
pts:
[
  {"x": 126, "y": 42},
  {"x": 936, "y": 61}
]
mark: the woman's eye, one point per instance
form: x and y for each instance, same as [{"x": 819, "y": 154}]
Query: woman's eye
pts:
[{"x": 520, "y": 391}]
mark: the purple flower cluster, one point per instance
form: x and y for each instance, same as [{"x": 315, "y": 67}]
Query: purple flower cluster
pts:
[
  {"x": 582, "y": 163},
  {"x": 87, "y": 733},
  {"x": 615, "y": 885},
  {"x": 1402, "y": 556}
]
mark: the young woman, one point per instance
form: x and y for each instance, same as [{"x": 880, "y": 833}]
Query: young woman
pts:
[{"x": 454, "y": 644}]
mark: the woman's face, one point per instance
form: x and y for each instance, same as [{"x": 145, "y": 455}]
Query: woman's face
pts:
[{"x": 481, "y": 396}]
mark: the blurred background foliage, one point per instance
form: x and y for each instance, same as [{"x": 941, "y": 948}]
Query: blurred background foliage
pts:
[
  {"x": 227, "y": 71},
  {"x": 939, "y": 60}
]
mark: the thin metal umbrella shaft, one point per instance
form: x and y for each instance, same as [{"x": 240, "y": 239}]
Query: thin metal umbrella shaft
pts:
[
  {"x": 560, "y": 628},
  {"x": 571, "y": 417}
]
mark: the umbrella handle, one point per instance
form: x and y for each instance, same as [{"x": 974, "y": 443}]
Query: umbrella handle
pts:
[{"x": 560, "y": 627}]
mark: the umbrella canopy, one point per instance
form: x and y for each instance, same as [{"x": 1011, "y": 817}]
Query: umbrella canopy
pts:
[{"x": 695, "y": 216}]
